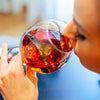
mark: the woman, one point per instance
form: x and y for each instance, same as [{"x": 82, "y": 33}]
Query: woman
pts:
[{"x": 83, "y": 30}]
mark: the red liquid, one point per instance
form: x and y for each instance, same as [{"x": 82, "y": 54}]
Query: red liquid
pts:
[{"x": 38, "y": 53}]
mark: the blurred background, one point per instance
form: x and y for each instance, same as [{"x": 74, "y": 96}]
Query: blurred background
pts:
[
  {"x": 17, "y": 15},
  {"x": 72, "y": 81}
]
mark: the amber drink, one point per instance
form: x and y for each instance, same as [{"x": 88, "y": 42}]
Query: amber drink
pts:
[{"x": 44, "y": 48}]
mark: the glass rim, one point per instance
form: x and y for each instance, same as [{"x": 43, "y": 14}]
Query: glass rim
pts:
[{"x": 52, "y": 21}]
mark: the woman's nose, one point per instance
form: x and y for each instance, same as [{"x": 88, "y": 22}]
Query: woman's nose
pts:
[{"x": 70, "y": 31}]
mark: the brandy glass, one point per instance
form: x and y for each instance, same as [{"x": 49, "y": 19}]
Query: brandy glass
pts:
[{"x": 43, "y": 47}]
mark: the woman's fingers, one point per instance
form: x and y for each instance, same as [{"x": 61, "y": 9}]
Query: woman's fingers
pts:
[
  {"x": 19, "y": 63},
  {"x": 3, "y": 60},
  {"x": 16, "y": 65}
]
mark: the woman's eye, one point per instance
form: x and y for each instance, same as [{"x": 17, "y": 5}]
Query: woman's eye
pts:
[{"x": 79, "y": 36}]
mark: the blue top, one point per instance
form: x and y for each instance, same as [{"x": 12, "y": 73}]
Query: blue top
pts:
[{"x": 71, "y": 82}]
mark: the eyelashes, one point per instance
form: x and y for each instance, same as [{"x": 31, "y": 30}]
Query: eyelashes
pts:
[{"x": 80, "y": 36}]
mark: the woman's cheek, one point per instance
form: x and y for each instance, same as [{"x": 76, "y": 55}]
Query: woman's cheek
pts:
[
  {"x": 83, "y": 50},
  {"x": 80, "y": 49}
]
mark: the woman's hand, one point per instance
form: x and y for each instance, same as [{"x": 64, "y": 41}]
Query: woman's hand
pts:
[{"x": 14, "y": 85}]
